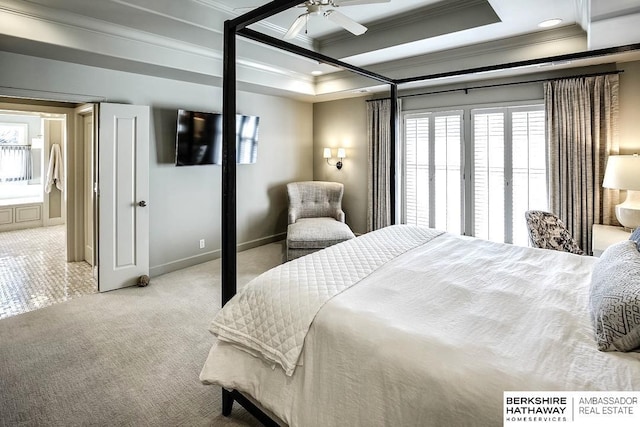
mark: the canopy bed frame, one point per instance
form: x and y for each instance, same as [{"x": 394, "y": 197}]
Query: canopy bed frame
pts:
[{"x": 238, "y": 26}]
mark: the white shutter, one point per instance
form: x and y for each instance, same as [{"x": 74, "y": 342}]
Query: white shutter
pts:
[
  {"x": 508, "y": 171},
  {"x": 529, "y": 168},
  {"x": 448, "y": 178},
  {"x": 417, "y": 170},
  {"x": 488, "y": 175}
]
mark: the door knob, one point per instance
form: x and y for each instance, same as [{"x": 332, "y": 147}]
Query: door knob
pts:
[{"x": 142, "y": 204}]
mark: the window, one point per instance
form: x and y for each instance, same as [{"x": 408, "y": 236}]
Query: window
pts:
[
  {"x": 15, "y": 154},
  {"x": 488, "y": 176},
  {"x": 506, "y": 163},
  {"x": 433, "y": 170},
  {"x": 13, "y": 134}
]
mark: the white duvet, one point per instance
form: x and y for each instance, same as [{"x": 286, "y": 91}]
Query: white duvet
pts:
[
  {"x": 270, "y": 317},
  {"x": 434, "y": 337}
]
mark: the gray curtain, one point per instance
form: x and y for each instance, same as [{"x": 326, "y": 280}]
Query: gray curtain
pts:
[
  {"x": 379, "y": 158},
  {"x": 582, "y": 131}
]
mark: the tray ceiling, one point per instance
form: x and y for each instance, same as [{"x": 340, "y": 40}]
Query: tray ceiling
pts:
[{"x": 184, "y": 39}]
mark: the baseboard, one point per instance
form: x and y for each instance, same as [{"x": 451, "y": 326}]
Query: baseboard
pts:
[
  {"x": 261, "y": 241},
  {"x": 210, "y": 256},
  {"x": 21, "y": 225}
]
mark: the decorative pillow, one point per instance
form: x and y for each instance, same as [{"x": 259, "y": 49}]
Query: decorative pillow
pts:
[
  {"x": 635, "y": 236},
  {"x": 615, "y": 298}
]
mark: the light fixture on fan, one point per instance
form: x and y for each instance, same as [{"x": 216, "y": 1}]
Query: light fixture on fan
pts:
[{"x": 326, "y": 9}]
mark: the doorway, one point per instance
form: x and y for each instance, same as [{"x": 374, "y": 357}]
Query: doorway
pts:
[{"x": 44, "y": 258}]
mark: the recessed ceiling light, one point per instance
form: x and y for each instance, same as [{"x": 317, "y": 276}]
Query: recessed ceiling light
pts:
[
  {"x": 550, "y": 23},
  {"x": 316, "y": 72}
]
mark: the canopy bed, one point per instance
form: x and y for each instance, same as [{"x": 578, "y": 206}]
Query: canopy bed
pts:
[{"x": 342, "y": 375}]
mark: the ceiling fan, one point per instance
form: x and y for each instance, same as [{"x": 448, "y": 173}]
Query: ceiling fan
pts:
[{"x": 326, "y": 8}]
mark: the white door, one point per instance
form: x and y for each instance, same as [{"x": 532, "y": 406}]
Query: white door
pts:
[
  {"x": 123, "y": 195},
  {"x": 88, "y": 188}
]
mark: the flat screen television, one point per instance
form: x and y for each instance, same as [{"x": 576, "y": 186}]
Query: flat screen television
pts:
[{"x": 199, "y": 138}]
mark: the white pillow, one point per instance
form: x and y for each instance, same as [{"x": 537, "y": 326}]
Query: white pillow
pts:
[{"x": 614, "y": 299}]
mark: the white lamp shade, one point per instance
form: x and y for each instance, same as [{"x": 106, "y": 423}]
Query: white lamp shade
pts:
[
  {"x": 341, "y": 153},
  {"x": 326, "y": 153},
  {"x": 622, "y": 173}
]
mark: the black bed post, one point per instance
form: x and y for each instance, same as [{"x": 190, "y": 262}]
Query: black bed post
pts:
[
  {"x": 229, "y": 236},
  {"x": 229, "y": 164},
  {"x": 228, "y": 246},
  {"x": 393, "y": 129}
]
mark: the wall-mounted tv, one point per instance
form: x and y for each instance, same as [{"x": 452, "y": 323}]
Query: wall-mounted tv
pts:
[{"x": 199, "y": 138}]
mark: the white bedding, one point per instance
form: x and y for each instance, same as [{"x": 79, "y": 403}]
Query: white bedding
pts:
[
  {"x": 270, "y": 317},
  {"x": 434, "y": 337}
]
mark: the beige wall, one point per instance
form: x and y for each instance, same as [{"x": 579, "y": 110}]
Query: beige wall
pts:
[
  {"x": 336, "y": 121},
  {"x": 53, "y": 134},
  {"x": 630, "y": 108},
  {"x": 185, "y": 202},
  {"x": 344, "y": 124}
]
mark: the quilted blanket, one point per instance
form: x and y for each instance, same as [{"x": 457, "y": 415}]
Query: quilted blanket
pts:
[{"x": 271, "y": 315}]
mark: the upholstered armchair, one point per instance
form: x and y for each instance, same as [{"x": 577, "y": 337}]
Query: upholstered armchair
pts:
[
  {"x": 316, "y": 219},
  {"x": 547, "y": 231}
]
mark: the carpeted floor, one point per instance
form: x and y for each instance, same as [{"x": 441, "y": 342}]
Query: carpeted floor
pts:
[{"x": 129, "y": 357}]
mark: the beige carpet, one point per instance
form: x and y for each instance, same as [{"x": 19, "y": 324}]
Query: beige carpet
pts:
[{"x": 129, "y": 357}]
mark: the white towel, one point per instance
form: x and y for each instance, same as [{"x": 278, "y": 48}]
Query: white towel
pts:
[{"x": 55, "y": 172}]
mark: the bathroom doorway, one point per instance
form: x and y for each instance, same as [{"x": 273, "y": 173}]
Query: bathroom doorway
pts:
[{"x": 41, "y": 262}]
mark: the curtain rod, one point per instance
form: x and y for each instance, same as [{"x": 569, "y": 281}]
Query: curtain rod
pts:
[{"x": 467, "y": 89}]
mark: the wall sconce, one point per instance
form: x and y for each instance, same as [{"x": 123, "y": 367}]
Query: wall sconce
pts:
[{"x": 341, "y": 155}]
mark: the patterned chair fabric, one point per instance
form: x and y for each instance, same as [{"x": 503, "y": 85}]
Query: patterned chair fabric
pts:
[
  {"x": 315, "y": 216},
  {"x": 547, "y": 231}
]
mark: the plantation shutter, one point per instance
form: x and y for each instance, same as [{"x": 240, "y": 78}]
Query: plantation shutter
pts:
[
  {"x": 488, "y": 176},
  {"x": 529, "y": 181},
  {"x": 448, "y": 178},
  {"x": 417, "y": 170},
  {"x": 506, "y": 160}
]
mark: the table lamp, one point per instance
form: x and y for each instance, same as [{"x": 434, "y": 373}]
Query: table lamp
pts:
[{"x": 623, "y": 173}]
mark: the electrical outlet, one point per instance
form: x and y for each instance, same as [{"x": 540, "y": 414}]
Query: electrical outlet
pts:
[{"x": 201, "y": 243}]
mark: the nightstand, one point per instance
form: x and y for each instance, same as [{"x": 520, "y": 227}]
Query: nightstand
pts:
[{"x": 605, "y": 236}]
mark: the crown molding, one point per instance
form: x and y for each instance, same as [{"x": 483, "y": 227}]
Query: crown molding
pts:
[
  {"x": 524, "y": 41},
  {"x": 71, "y": 21},
  {"x": 45, "y": 25},
  {"x": 414, "y": 17},
  {"x": 171, "y": 17},
  {"x": 528, "y": 41},
  {"x": 538, "y": 44},
  {"x": 264, "y": 26}
]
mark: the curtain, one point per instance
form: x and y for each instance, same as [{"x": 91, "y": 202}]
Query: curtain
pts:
[
  {"x": 582, "y": 131},
  {"x": 15, "y": 163},
  {"x": 379, "y": 164}
]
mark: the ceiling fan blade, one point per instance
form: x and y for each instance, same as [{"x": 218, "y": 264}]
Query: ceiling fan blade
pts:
[
  {"x": 345, "y": 22},
  {"x": 357, "y": 2},
  {"x": 295, "y": 28}
]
